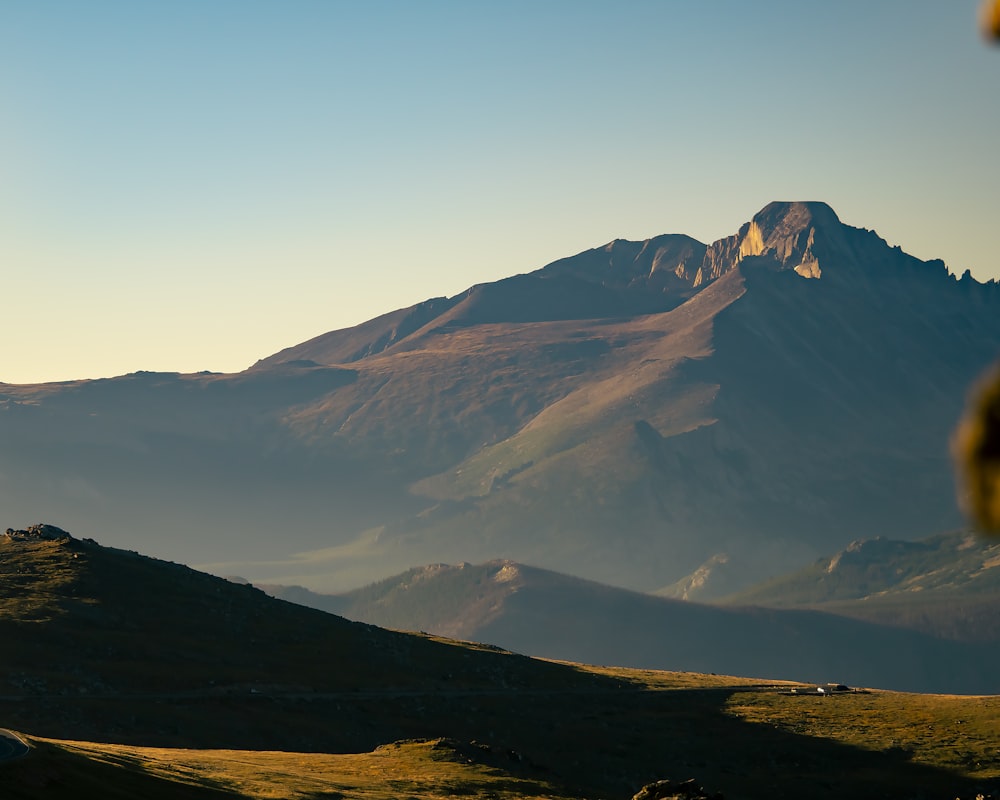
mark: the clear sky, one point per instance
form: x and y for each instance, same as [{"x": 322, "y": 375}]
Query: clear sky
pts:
[{"x": 196, "y": 184}]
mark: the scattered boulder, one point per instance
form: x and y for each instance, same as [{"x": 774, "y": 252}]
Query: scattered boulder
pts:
[{"x": 674, "y": 790}]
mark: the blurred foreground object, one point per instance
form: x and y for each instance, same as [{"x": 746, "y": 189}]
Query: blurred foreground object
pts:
[
  {"x": 977, "y": 440},
  {"x": 990, "y": 19},
  {"x": 977, "y": 451}
]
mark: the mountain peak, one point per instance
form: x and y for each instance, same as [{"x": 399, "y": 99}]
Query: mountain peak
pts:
[
  {"x": 795, "y": 215},
  {"x": 785, "y": 232}
]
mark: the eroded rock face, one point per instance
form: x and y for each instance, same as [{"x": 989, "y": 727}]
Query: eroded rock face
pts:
[
  {"x": 674, "y": 790},
  {"x": 41, "y": 531},
  {"x": 782, "y": 236}
]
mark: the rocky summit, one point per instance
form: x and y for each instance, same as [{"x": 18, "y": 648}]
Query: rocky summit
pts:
[{"x": 40, "y": 532}]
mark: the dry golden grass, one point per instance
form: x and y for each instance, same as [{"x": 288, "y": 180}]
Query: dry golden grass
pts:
[
  {"x": 656, "y": 679},
  {"x": 35, "y": 579},
  {"x": 746, "y": 738},
  {"x": 426, "y": 769},
  {"x": 958, "y": 733}
]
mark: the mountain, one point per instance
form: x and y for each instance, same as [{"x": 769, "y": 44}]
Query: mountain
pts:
[
  {"x": 625, "y": 414},
  {"x": 110, "y": 657},
  {"x": 946, "y": 585},
  {"x": 546, "y": 614}
]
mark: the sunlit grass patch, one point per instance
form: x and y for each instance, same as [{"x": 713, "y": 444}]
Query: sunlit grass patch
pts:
[
  {"x": 946, "y": 731},
  {"x": 426, "y": 769}
]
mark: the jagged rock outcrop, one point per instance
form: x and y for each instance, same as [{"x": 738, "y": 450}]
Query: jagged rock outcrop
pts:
[{"x": 35, "y": 532}]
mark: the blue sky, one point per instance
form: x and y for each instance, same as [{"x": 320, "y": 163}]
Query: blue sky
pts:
[{"x": 197, "y": 184}]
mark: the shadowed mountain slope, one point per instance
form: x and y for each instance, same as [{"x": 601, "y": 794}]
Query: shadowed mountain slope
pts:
[
  {"x": 79, "y": 618},
  {"x": 556, "y": 616},
  {"x": 623, "y": 414}
]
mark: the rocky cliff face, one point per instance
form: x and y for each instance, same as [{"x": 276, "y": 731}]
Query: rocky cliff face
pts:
[{"x": 783, "y": 236}]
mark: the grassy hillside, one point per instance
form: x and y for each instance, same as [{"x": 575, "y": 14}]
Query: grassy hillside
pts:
[
  {"x": 435, "y": 768},
  {"x": 135, "y": 624}
]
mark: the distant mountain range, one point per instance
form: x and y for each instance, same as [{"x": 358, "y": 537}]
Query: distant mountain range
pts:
[
  {"x": 626, "y": 414},
  {"x": 946, "y": 585},
  {"x": 911, "y": 616}
]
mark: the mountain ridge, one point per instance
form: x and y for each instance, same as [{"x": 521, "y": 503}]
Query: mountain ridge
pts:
[
  {"x": 673, "y": 265},
  {"x": 947, "y": 585}
]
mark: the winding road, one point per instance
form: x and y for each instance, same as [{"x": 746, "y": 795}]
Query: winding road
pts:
[{"x": 11, "y": 746}]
